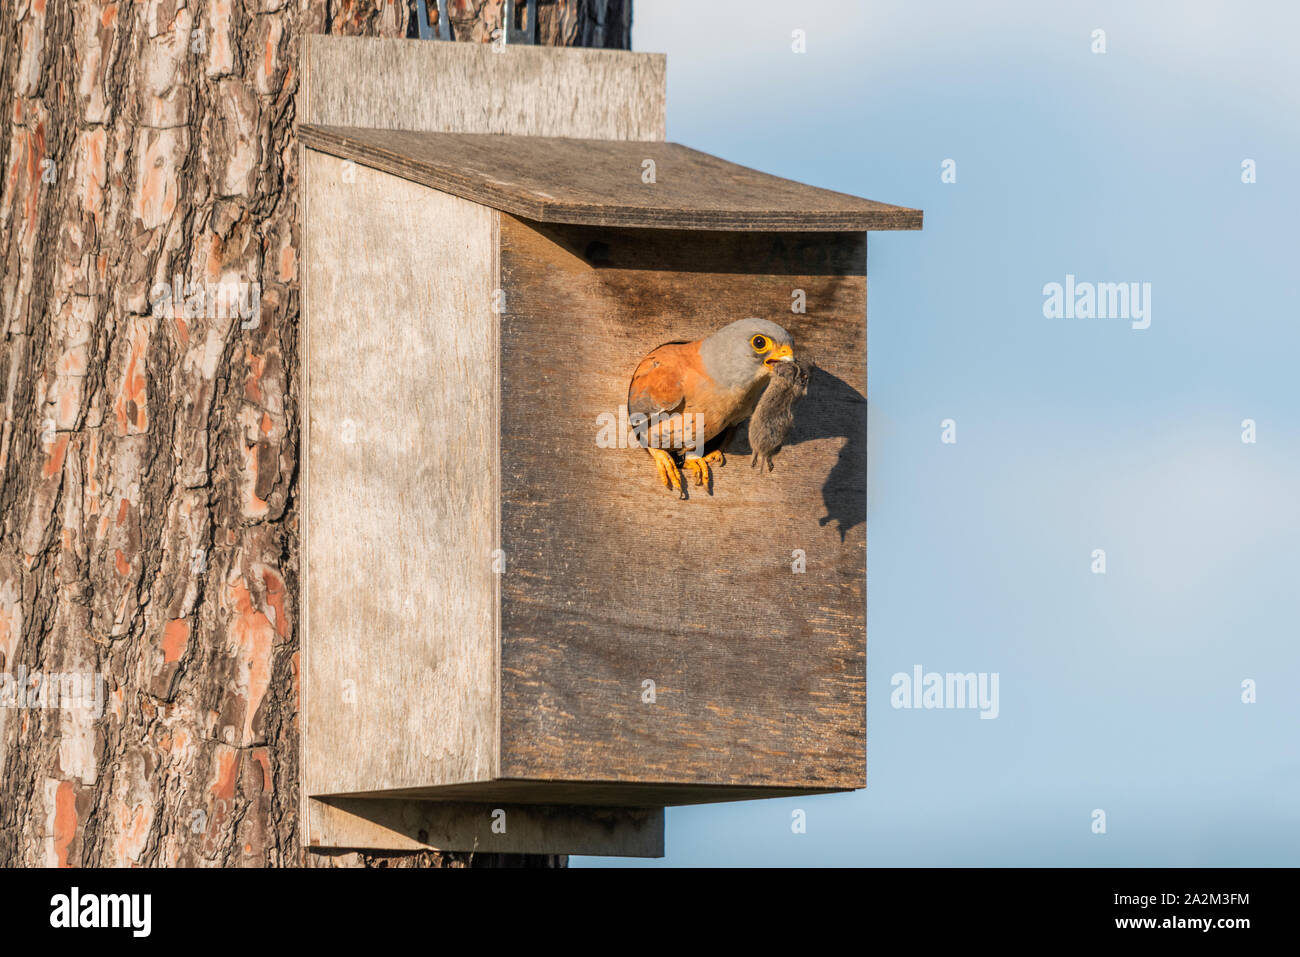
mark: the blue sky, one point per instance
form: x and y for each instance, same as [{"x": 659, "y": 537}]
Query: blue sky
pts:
[{"x": 1119, "y": 691}]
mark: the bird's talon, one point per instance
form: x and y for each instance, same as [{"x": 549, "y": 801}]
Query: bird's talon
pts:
[
  {"x": 715, "y": 458},
  {"x": 668, "y": 473},
  {"x": 701, "y": 469}
]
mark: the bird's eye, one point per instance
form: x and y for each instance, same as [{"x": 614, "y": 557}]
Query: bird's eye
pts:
[{"x": 759, "y": 343}]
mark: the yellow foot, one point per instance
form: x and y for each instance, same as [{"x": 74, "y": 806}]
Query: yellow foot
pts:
[
  {"x": 701, "y": 469},
  {"x": 668, "y": 473},
  {"x": 716, "y": 458}
]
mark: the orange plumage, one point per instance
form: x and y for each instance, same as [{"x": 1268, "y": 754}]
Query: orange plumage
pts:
[{"x": 686, "y": 394}]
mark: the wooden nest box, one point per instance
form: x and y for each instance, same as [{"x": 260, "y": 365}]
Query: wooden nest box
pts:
[{"x": 516, "y": 639}]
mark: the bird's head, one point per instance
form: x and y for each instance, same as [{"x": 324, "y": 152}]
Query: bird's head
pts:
[{"x": 740, "y": 354}]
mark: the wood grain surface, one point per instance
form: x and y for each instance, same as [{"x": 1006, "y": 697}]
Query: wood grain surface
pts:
[
  {"x": 600, "y": 182},
  {"x": 400, "y": 482},
  {"x": 612, "y": 580},
  {"x": 477, "y": 88},
  {"x": 410, "y": 720}
]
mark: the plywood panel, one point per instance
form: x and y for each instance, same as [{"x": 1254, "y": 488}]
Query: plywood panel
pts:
[
  {"x": 592, "y": 793},
  {"x": 405, "y": 825},
  {"x": 472, "y": 88},
  {"x": 600, "y": 182},
  {"x": 612, "y": 580},
  {"x": 401, "y": 484}
]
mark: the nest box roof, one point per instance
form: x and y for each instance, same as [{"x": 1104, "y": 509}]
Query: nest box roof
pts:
[{"x": 599, "y": 182}]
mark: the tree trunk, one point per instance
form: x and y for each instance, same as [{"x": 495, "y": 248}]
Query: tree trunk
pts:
[{"x": 148, "y": 458}]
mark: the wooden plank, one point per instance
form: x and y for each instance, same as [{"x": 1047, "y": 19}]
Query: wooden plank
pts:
[
  {"x": 599, "y": 182},
  {"x": 401, "y": 407},
  {"x": 612, "y": 581},
  {"x": 413, "y": 85},
  {"x": 407, "y": 825},
  {"x": 410, "y": 85},
  {"x": 592, "y": 793},
  {"x": 473, "y": 88}
]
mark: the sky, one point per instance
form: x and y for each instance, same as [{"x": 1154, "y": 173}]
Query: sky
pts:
[{"x": 1120, "y": 692}]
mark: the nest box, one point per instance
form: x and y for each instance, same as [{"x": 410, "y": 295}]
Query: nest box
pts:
[{"x": 516, "y": 638}]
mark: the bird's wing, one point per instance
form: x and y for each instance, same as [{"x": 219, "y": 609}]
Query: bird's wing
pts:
[{"x": 657, "y": 387}]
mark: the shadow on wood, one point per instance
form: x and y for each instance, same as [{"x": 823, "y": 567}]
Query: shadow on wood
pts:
[
  {"x": 832, "y": 410},
  {"x": 415, "y": 825}
]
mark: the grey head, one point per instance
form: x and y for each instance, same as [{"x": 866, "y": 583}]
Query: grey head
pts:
[{"x": 740, "y": 354}]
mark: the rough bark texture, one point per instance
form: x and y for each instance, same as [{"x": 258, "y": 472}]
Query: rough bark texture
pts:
[{"x": 148, "y": 458}]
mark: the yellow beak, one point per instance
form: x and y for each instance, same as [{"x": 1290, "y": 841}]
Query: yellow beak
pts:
[{"x": 779, "y": 354}]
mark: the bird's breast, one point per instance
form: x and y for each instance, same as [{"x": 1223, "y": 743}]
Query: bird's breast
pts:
[{"x": 722, "y": 407}]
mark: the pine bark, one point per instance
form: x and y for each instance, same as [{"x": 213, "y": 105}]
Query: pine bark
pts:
[{"x": 149, "y": 457}]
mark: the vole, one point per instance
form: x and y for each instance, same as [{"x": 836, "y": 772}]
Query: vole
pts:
[{"x": 774, "y": 414}]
